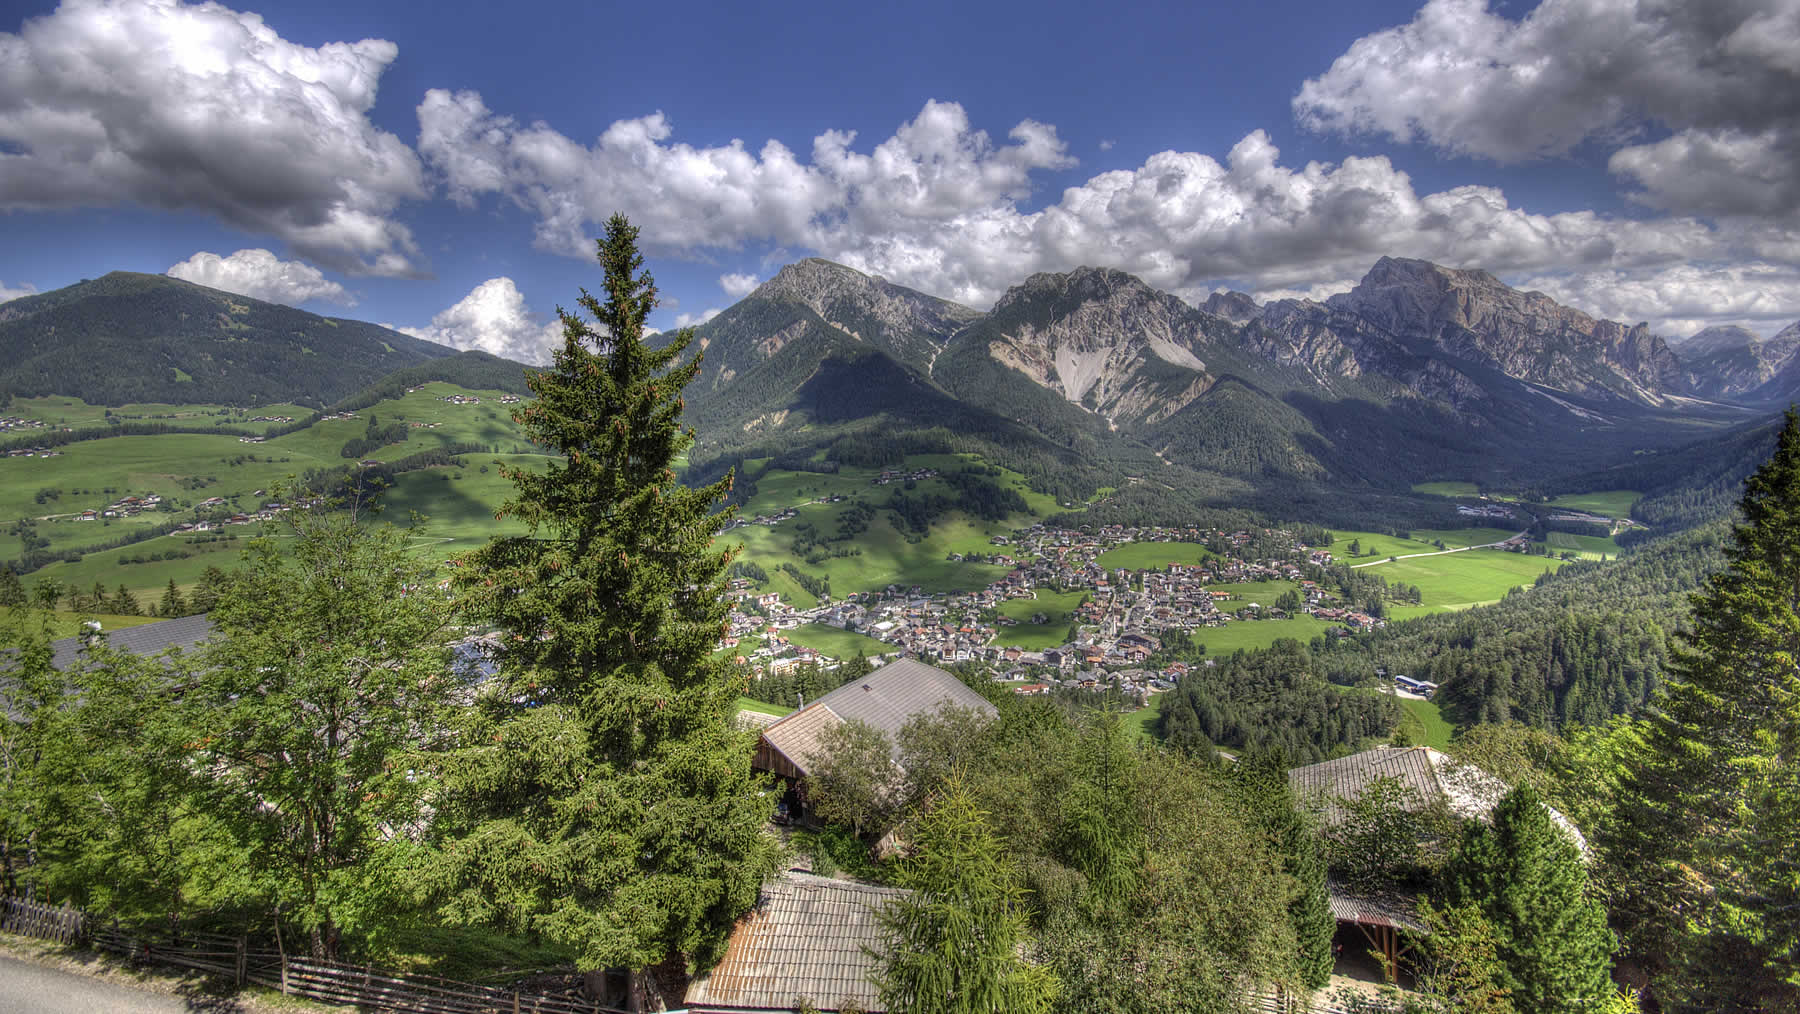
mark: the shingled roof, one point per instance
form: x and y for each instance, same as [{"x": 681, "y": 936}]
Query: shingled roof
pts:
[
  {"x": 1431, "y": 776},
  {"x": 885, "y": 699},
  {"x": 147, "y": 639},
  {"x": 806, "y": 937}
]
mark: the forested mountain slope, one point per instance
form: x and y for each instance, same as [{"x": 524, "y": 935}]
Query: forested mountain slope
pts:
[{"x": 131, "y": 337}]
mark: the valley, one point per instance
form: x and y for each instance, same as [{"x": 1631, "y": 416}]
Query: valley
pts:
[{"x": 1089, "y": 487}]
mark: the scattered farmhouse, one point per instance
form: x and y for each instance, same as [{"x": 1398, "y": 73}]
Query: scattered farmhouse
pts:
[{"x": 885, "y": 699}]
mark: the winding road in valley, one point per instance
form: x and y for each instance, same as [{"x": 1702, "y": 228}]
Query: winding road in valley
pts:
[{"x": 1442, "y": 552}]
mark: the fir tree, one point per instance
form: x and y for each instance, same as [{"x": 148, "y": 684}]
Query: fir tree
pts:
[
  {"x": 608, "y": 802},
  {"x": 12, "y": 590},
  {"x": 1707, "y": 834},
  {"x": 172, "y": 604},
  {"x": 953, "y": 944},
  {"x": 1293, "y": 834},
  {"x": 1526, "y": 876},
  {"x": 123, "y": 603}
]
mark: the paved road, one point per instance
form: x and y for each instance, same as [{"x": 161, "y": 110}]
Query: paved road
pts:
[
  {"x": 28, "y": 989},
  {"x": 1441, "y": 552}
]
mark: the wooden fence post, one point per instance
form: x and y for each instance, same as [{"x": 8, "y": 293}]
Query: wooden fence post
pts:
[
  {"x": 284, "y": 977},
  {"x": 242, "y": 961}
]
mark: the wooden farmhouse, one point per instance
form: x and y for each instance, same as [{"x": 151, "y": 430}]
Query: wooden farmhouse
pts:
[
  {"x": 1430, "y": 778},
  {"x": 885, "y": 699}
]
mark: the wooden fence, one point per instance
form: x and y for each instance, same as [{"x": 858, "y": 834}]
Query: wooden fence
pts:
[{"x": 238, "y": 960}]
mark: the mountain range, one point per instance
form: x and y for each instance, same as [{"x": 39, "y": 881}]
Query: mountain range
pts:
[{"x": 1418, "y": 372}]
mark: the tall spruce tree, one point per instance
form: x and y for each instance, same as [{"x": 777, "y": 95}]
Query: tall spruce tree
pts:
[
  {"x": 1705, "y": 840},
  {"x": 605, "y": 798},
  {"x": 1527, "y": 878},
  {"x": 953, "y": 944}
]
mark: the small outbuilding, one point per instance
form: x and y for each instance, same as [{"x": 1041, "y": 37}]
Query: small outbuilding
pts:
[{"x": 808, "y": 937}]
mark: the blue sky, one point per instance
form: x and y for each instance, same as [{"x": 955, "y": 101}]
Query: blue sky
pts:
[{"x": 442, "y": 167}]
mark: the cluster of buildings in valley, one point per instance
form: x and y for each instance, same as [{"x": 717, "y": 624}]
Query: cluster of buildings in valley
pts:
[
  {"x": 13, "y": 422},
  {"x": 124, "y": 507},
  {"x": 1126, "y": 616},
  {"x": 889, "y": 476},
  {"x": 32, "y": 452},
  {"x": 1493, "y": 511},
  {"x": 461, "y": 399}
]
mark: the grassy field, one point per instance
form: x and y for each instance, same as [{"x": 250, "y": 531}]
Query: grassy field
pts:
[
  {"x": 836, "y": 642},
  {"x": 1250, "y": 635},
  {"x": 1138, "y": 723},
  {"x": 1376, "y": 546},
  {"x": 1153, "y": 555},
  {"x": 1424, "y": 723},
  {"x": 761, "y": 707},
  {"x": 1057, "y": 607},
  {"x": 1587, "y": 547},
  {"x": 1612, "y": 503},
  {"x": 1262, "y": 593},
  {"x": 1463, "y": 579},
  {"x": 1447, "y": 488}
]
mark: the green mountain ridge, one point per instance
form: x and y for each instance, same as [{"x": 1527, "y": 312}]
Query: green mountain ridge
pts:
[{"x": 129, "y": 337}]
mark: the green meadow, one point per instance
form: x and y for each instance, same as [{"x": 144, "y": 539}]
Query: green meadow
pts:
[
  {"x": 1251, "y": 635},
  {"x": 1615, "y": 503},
  {"x": 1587, "y": 547},
  {"x": 1153, "y": 555},
  {"x": 1262, "y": 593},
  {"x": 1461, "y": 489},
  {"x": 1460, "y": 580},
  {"x": 1376, "y": 546},
  {"x": 1058, "y": 608},
  {"x": 836, "y": 642}
]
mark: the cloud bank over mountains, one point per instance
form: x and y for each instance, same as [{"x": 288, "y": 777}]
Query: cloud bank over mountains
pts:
[
  {"x": 259, "y": 274},
  {"x": 1693, "y": 107}
]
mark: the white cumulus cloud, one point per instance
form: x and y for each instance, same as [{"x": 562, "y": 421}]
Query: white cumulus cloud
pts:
[
  {"x": 691, "y": 319},
  {"x": 259, "y": 274},
  {"x": 11, "y": 292},
  {"x": 737, "y": 286},
  {"x": 1721, "y": 77},
  {"x": 201, "y": 108},
  {"x": 942, "y": 206},
  {"x": 1679, "y": 299},
  {"x": 494, "y": 318}
]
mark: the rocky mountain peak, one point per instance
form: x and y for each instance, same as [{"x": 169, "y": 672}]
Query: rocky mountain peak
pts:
[
  {"x": 1237, "y": 307},
  {"x": 1471, "y": 315},
  {"x": 1715, "y": 339}
]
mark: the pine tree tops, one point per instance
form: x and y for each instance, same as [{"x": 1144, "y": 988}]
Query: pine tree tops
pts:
[
  {"x": 609, "y": 756},
  {"x": 619, "y": 568},
  {"x": 1527, "y": 877},
  {"x": 1707, "y": 830}
]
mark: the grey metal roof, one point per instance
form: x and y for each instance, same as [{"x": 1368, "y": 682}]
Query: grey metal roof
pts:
[
  {"x": 890, "y": 695},
  {"x": 1391, "y": 908},
  {"x": 885, "y": 699},
  {"x": 1345, "y": 777},
  {"x": 146, "y": 639},
  {"x": 806, "y": 937},
  {"x": 1430, "y": 775}
]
